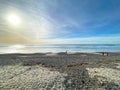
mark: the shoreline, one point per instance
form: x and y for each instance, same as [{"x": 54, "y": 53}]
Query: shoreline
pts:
[{"x": 68, "y": 52}]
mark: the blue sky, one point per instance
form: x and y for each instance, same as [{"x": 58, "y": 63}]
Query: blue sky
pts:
[{"x": 60, "y": 21}]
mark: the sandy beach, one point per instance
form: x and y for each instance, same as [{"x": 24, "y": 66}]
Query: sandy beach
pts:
[{"x": 60, "y": 71}]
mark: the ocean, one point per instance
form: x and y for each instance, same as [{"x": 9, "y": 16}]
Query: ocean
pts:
[{"x": 59, "y": 48}]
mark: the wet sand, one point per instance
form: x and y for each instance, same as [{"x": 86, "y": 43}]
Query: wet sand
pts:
[{"x": 61, "y": 71}]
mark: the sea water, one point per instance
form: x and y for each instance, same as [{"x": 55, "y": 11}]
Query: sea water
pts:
[{"x": 59, "y": 48}]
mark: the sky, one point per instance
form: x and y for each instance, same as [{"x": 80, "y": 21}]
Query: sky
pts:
[{"x": 60, "y": 21}]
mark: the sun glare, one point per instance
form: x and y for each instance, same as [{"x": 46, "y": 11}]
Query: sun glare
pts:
[
  {"x": 14, "y": 19},
  {"x": 17, "y": 46}
]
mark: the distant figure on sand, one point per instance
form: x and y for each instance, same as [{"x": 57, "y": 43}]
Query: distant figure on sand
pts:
[
  {"x": 66, "y": 52},
  {"x": 104, "y": 53},
  {"x": 107, "y": 53}
]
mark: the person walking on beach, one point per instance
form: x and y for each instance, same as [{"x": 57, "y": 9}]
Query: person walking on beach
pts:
[
  {"x": 66, "y": 52},
  {"x": 107, "y": 53},
  {"x": 104, "y": 53}
]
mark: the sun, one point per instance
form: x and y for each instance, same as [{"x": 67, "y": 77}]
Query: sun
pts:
[{"x": 14, "y": 19}]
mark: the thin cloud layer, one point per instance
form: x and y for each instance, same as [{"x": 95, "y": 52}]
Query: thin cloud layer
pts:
[{"x": 43, "y": 20}]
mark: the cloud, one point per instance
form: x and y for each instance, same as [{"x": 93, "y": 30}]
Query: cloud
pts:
[
  {"x": 54, "y": 21},
  {"x": 14, "y": 38},
  {"x": 114, "y": 39}
]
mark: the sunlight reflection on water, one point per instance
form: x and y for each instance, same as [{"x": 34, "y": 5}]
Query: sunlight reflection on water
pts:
[{"x": 14, "y": 49}]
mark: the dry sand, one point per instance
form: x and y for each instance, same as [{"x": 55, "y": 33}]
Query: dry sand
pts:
[{"x": 78, "y": 71}]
